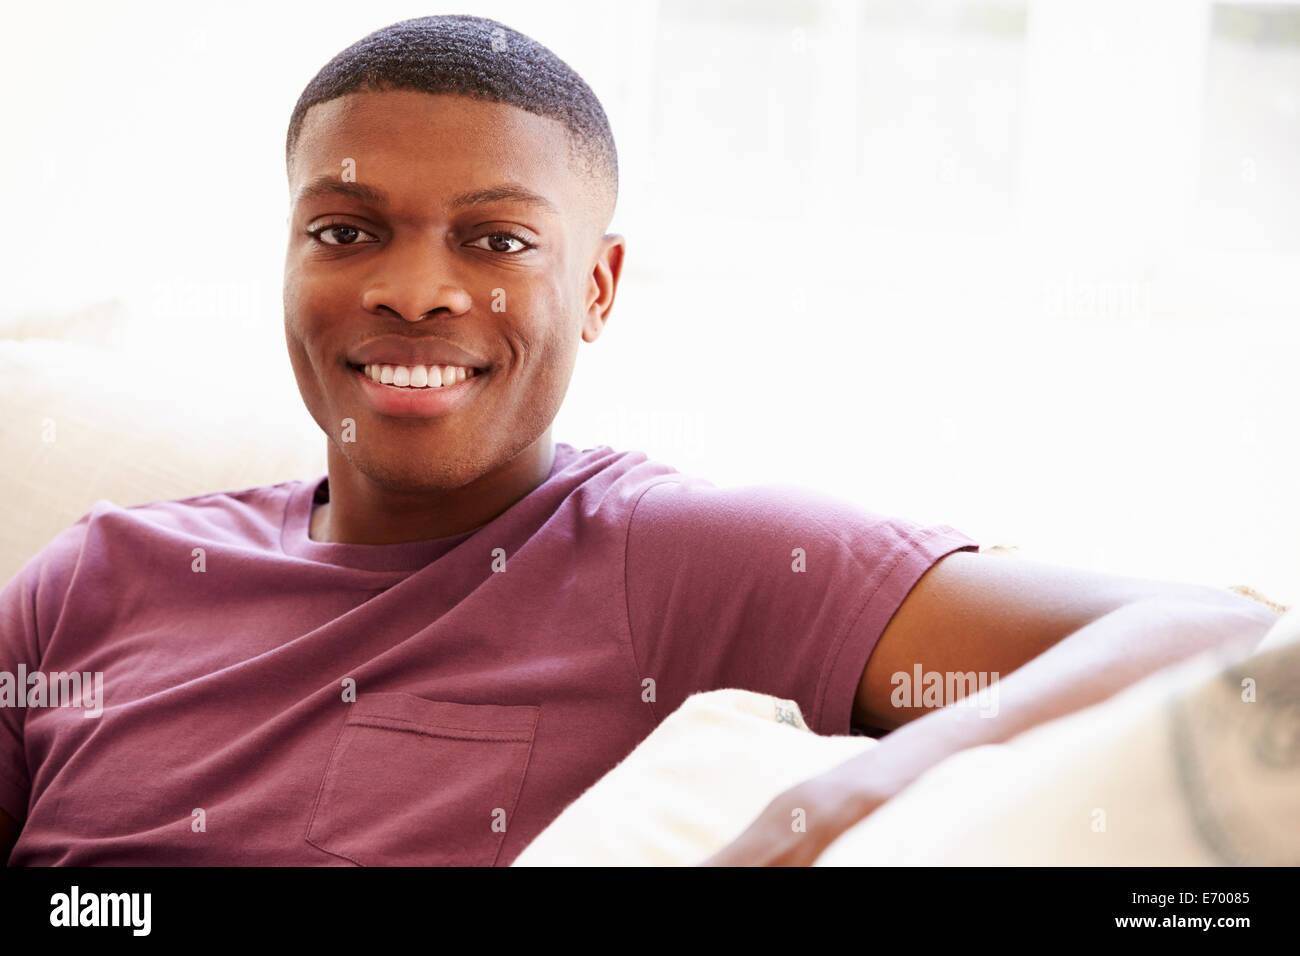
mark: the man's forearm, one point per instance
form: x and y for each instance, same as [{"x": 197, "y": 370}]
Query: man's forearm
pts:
[{"x": 1093, "y": 663}]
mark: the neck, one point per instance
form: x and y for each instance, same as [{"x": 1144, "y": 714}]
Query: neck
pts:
[{"x": 362, "y": 512}]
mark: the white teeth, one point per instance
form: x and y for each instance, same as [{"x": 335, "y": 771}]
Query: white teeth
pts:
[{"x": 418, "y": 376}]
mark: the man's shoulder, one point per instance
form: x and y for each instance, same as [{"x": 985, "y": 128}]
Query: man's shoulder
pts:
[
  {"x": 106, "y": 521},
  {"x": 701, "y": 504},
  {"x": 602, "y": 477},
  {"x": 190, "y": 512},
  {"x": 661, "y": 493}
]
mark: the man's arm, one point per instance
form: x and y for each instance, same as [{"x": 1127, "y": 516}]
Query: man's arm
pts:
[
  {"x": 992, "y": 613},
  {"x": 1075, "y": 669},
  {"x": 1090, "y": 665}
]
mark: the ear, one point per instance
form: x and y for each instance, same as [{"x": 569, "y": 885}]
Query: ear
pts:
[{"x": 606, "y": 268}]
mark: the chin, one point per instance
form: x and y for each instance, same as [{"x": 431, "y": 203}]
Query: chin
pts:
[{"x": 436, "y": 472}]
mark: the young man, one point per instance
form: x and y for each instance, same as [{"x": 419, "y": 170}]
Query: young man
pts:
[{"x": 423, "y": 657}]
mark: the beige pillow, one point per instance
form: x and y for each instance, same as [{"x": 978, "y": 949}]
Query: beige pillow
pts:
[
  {"x": 691, "y": 786},
  {"x": 82, "y": 422},
  {"x": 1178, "y": 769},
  {"x": 1193, "y": 766},
  {"x": 102, "y": 323}
]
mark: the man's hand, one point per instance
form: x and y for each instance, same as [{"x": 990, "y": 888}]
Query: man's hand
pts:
[{"x": 800, "y": 823}]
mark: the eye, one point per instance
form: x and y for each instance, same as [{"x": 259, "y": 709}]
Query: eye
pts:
[
  {"x": 503, "y": 237},
  {"x": 343, "y": 234}
]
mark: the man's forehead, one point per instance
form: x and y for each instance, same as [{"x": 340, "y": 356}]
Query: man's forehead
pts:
[
  {"x": 329, "y": 184},
  {"x": 484, "y": 144}
]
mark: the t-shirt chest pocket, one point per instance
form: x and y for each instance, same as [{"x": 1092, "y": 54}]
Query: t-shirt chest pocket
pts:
[{"x": 416, "y": 782}]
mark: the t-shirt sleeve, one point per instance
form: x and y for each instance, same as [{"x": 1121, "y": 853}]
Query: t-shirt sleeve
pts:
[
  {"x": 31, "y": 604},
  {"x": 773, "y": 589}
]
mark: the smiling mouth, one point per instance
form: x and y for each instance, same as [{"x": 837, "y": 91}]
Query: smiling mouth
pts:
[{"x": 418, "y": 377}]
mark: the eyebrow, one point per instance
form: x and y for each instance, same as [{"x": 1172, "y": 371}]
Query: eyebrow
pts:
[{"x": 502, "y": 192}]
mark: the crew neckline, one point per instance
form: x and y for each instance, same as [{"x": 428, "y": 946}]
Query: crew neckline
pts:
[{"x": 407, "y": 556}]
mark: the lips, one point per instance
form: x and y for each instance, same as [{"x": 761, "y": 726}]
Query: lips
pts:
[
  {"x": 397, "y": 350},
  {"x": 428, "y": 403}
]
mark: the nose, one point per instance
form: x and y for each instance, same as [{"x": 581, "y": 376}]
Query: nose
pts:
[{"x": 417, "y": 281}]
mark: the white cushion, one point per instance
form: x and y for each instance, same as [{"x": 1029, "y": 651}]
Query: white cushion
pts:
[
  {"x": 1168, "y": 772},
  {"x": 83, "y": 422}
]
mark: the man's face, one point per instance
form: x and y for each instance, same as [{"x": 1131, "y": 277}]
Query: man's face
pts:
[{"x": 431, "y": 265}]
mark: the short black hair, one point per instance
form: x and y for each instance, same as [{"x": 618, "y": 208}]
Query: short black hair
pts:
[{"x": 478, "y": 58}]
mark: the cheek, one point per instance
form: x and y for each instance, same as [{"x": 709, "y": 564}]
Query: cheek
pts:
[
  {"x": 308, "y": 305},
  {"x": 297, "y": 311},
  {"x": 545, "y": 329},
  {"x": 305, "y": 304},
  {"x": 293, "y": 327},
  {"x": 303, "y": 324}
]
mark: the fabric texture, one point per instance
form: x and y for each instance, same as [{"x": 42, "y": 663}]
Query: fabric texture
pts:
[
  {"x": 693, "y": 785},
  {"x": 270, "y": 699},
  {"x": 85, "y": 422},
  {"x": 1195, "y": 765}
]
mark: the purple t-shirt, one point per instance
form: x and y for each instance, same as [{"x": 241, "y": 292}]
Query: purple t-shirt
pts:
[{"x": 269, "y": 699}]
